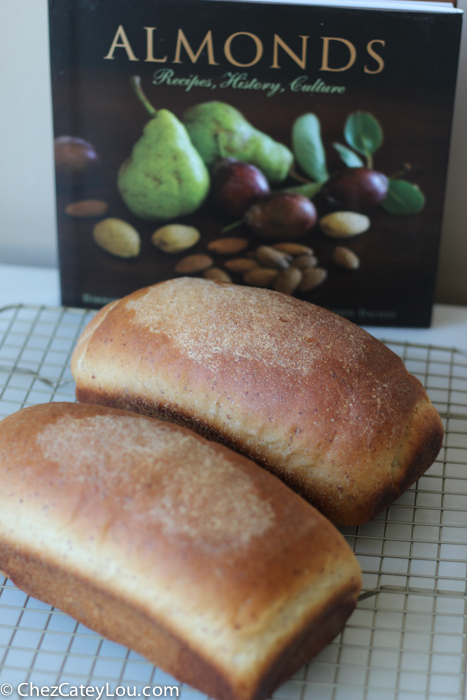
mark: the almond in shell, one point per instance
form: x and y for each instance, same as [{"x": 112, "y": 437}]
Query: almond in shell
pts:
[
  {"x": 174, "y": 238},
  {"x": 343, "y": 224},
  {"x": 117, "y": 237}
]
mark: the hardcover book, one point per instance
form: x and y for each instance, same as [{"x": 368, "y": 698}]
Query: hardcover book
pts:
[{"x": 301, "y": 147}]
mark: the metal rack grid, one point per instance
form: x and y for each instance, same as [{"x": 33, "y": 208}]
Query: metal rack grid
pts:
[{"x": 407, "y": 639}]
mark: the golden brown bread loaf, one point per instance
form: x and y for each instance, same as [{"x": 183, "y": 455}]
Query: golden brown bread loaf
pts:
[
  {"x": 305, "y": 393},
  {"x": 170, "y": 544}
]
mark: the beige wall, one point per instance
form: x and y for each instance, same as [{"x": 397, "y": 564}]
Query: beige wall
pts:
[
  {"x": 27, "y": 219},
  {"x": 27, "y": 229}
]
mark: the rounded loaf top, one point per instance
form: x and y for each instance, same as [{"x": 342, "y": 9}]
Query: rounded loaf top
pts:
[
  {"x": 208, "y": 320},
  {"x": 304, "y": 392}
]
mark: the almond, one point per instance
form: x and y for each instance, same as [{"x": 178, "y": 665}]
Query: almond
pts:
[
  {"x": 174, "y": 238},
  {"x": 312, "y": 277},
  {"x": 293, "y": 248},
  {"x": 260, "y": 277},
  {"x": 224, "y": 246},
  {"x": 343, "y": 224},
  {"x": 269, "y": 257},
  {"x": 344, "y": 257},
  {"x": 241, "y": 265},
  {"x": 193, "y": 263},
  {"x": 215, "y": 273},
  {"x": 288, "y": 280},
  {"x": 117, "y": 237},
  {"x": 87, "y": 208},
  {"x": 304, "y": 261}
]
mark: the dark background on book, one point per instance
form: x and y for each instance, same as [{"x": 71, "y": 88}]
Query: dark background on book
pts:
[{"x": 412, "y": 99}]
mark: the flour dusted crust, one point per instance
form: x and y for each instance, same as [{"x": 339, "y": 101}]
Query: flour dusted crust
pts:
[
  {"x": 303, "y": 392},
  {"x": 170, "y": 544}
]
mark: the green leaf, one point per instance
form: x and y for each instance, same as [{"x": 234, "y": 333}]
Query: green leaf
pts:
[
  {"x": 308, "y": 147},
  {"x": 349, "y": 157},
  {"x": 403, "y": 198},
  {"x": 363, "y": 132},
  {"x": 309, "y": 190}
]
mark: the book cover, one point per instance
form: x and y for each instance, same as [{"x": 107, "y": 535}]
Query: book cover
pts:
[{"x": 302, "y": 148}]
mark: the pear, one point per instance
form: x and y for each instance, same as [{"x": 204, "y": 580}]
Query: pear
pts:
[
  {"x": 218, "y": 130},
  {"x": 164, "y": 177}
]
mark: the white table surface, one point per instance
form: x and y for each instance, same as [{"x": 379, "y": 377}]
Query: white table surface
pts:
[{"x": 38, "y": 285}]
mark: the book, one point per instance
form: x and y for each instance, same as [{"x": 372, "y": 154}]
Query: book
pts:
[{"x": 169, "y": 114}]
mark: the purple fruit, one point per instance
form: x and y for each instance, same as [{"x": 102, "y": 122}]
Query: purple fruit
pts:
[
  {"x": 74, "y": 156},
  {"x": 281, "y": 216},
  {"x": 236, "y": 185},
  {"x": 355, "y": 189}
]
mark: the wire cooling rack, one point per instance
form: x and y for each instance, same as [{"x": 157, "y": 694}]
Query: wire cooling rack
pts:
[{"x": 407, "y": 637}]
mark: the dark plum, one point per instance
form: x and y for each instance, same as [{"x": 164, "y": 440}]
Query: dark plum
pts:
[
  {"x": 74, "y": 156},
  {"x": 236, "y": 185},
  {"x": 281, "y": 216},
  {"x": 355, "y": 189}
]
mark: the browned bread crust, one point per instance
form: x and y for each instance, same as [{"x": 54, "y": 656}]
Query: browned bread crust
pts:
[
  {"x": 175, "y": 546},
  {"x": 305, "y": 393}
]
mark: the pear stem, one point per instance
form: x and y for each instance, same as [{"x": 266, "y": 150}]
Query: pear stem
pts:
[
  {"x": 135, "y": 81},
  {"x": 231, "y": 226}
]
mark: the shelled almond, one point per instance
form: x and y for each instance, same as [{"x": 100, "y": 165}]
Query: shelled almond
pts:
[
  {"x": 224, "y": 246},
  {"x": 215, "y": 273},
  {"x": 241, "y": 265},
  {"x": 260, "y": 277},
  {"x": 312, "y": 277},
  {"x": 193, "y": 263},
  {"x": 288, "y": 280},
  {"x": 270, "y": 257},
  {"x": 344, "y": 257}
]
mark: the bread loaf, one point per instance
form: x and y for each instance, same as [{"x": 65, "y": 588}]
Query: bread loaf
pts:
[
  {"x": 303, "y": 392},
  {"x": 177, "y": 547}
]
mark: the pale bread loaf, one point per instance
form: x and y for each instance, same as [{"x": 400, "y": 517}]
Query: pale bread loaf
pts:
[
  {"x": 177, "y": 547},
  {"x": 305, "y": 393}
]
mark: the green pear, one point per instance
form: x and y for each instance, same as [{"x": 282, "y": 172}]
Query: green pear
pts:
[
  {"x": 164, "y": 177},
  {"x": 218, "y": 130}
]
